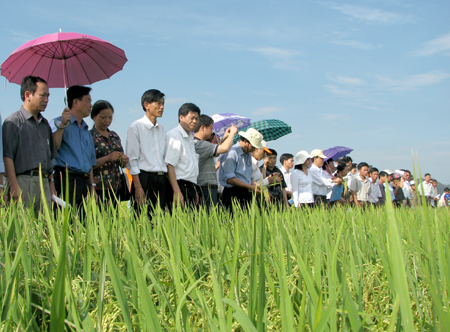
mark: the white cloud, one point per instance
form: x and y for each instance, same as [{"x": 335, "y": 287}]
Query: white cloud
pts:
[
  {"x": 372, "y": 15},
  {"x": 438, "y": 45},
  {"x": 414, "y": 81},
  {"x": 268, "y": 110},
  {"x": 357, "y": 44},
  {"x": 348, "y": 80},
  {"x": 281, "y": 58}
]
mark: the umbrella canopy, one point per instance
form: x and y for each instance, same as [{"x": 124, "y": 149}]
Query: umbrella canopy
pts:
[
  {"x": 270, "y": 129},
  {"x": 337, "y": 152},
  {"x": 225, "y": 120},
  {"x": 64, "y": 59}
]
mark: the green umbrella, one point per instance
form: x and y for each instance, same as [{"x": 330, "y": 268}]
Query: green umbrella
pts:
[{"x": 270, "y": 129}]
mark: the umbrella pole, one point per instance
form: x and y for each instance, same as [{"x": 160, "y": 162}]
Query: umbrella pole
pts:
[{"x": 65, "y": 92}]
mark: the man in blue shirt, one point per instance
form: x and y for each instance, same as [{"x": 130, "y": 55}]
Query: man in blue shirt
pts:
[
  {"x": 235, "y": 172},
  {"x": 75, "y": 147}
]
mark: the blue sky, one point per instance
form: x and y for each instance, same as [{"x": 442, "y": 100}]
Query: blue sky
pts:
[{"x": 370, "y": 75}]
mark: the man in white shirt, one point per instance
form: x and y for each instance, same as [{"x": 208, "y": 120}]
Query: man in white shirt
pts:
[
  {"x": 287, "y": 162},
  {"x": 406, "y": 186},
  {"x": 375, "y": 192},
  {"x": 320, "y": 184},
  {"x": 328, "y": 169},
  {"x": 181, "y": 158},
  {"x": 146, "y": 140},
  {"x": 427, "y": 190},
  {"x": 360, "y": 186}
]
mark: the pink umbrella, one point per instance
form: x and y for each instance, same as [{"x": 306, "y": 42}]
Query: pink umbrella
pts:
[{"x": 64, "y": 59}]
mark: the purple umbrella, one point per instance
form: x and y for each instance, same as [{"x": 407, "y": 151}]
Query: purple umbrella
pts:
[
  {"x": 337, "y": 152},
  {"x": 225, "y": 120}
]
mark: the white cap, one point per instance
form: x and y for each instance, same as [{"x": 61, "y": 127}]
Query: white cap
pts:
[{"x": 301, "y": 157}]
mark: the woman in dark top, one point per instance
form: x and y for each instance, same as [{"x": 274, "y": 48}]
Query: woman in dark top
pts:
[{"x": 109, "y": 151}]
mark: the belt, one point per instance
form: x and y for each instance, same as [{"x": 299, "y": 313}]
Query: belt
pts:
[
  {"x": 186, "y": 183},
  {"x": 154, "y": 173},
  {"x": 64, "y": 170},
  {"x": 35, "y": 172},
  {"x": 213, "y": 186}
]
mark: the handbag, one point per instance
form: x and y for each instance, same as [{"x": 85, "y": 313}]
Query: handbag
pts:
[{"x": 123, "y": 191}]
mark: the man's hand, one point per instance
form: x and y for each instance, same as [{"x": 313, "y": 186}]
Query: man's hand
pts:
[
  {"x": 15, "y": 192},
  {"x": 65, "y": 117},
  {"x": 230, "y": 131},
  {"x": 178, "y": 198},
  {"x": 52, "y": 188},
  {"x": 139, "y": 195},
  {"x": 256, "y": 188}
]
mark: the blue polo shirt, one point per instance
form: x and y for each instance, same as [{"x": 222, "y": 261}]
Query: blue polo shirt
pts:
[
  {"x": 77, "y": 147},
  {"x": 235, "y": 164}
]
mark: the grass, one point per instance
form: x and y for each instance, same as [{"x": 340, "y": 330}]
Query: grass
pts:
[{"x": 341, "y": 270}]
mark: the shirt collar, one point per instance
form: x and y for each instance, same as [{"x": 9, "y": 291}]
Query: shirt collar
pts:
[
  {"x": 83, "y": 124},
  {"x": 184, "y": 133},
  {"x": 27, "y": 115},
  {"x": 149, "y": 124},
  {"x": 239, "y": 150}
]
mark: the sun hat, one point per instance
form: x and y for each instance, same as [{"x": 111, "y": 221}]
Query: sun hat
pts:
[
  {"x": 318, "y": 153},
  {"x": 253, "y": 136},
  {"x": 301, "y": 157},
  {"x": 412, "y": 183},
  {"x": 264, "y": 144}
]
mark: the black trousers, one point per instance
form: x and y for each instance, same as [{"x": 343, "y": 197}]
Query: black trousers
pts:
[
  {"x": 242, "y": 195},
  {"x": 155, "y": 186},
  {"x": 320, "y": 200},
  {"x": 79, "y": 186}
]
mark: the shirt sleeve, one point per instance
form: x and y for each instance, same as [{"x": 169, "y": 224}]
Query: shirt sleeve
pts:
[
  {"x": 173, "y": 150},
  {"x": 133, "y": 149},
  {"x": 206, "y": 149},
  {"x": 229, "y": 165},
  {"x": 52, "y": 124},
  {"x": 2, "y": 166},
  {"x": 353, "y": 185},
  {"x": 9, "y": 137},
  {"x": 318, "y": 179},
  {"x": 294, "y": 187}
]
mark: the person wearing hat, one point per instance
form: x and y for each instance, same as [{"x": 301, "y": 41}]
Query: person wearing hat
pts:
[
  {"x": 301, "y": 180},
  {"x": 320, "y": 184},
  {"x": 235, "y": 171},
  {"x": 258, "y": 155},
  {"x": 413, "y": 201},
  {"x": 398, "y": 192}
]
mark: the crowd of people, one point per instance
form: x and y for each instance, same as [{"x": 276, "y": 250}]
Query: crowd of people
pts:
[{"x": 187, "y": 166}]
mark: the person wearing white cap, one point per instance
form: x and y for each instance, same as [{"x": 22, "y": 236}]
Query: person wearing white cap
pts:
[
  {"x": 301, "y": 180},
  {"x": 258, "y": 155},
  {"x": 320, "y": 184},
  {"x": 235, "y": 171}
]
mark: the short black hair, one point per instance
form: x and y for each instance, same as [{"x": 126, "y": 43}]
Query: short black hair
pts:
[
  {"x": 362, "y": 164},
  {"x": 285, "y": 156},
  {"x": 99, "y": 106},
  {"x": 150, "y": 96},
  {"x": 77, "y": 92},
  {"x": 406, "y": 171},
  {"x": 382, "y": 173},
  {"x": 446, "y": 189},
  {"x": 427, "y": 174},
  {"x": 203, "y": 120},
  {"x": 353, "y": 166},
  {"x": 340, "y": 167},
  {"x": 29, "y": 83},
  {"x": 373, "y": 169},
  {"x": 186, "y": 108}
]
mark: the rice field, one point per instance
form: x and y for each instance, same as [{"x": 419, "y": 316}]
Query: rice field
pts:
[{"x": 298, "y": 270}]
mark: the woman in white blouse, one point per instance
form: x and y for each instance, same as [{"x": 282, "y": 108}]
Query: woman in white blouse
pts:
[{"x": 301, "y": 180}]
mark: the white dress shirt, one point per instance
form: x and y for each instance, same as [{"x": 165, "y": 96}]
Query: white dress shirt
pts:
[
  {"x": 320, "y": 184},
  {"x": 287, "y": 178},
  {"x": 375, "y": 192},
  {"x": 257, "y": 175},
  {"x": 328, "y": 176},
  {"x": 180, "y": 153},
  {"x": 145, "y": 147},
  {"x": 406, "y": 188},
  {"x": 427, "y": 189},
  {"x": 301, "y": 187}
]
